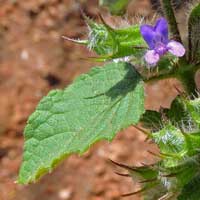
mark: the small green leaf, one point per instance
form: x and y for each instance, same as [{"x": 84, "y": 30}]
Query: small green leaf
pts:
[
  {"x": 152, "y": 120},
  {"x": 179, "y": 144},
  {"x": 143, "y": 173},
  {"x": 178, "y": 113},
  {"x": 116, "y": 7},
  {"x": 175, "y": 145},
  {"x": 183, "y": 173},
  {"x": 151, "y": 186},
  {"x": 156, "y": 192},
  {"x": 112, "y": 43},
  {"x": 192, "y": 190},
  {"x": 171, "y": 143},
  {"x": 166, "y": 64},
  {"x": 193, "y": 143},
  {"x": 193, "y": 107},
  {"x": 95, "y": 107}
]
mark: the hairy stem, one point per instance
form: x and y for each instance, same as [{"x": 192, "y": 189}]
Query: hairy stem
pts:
[{"x": 169, "y": 13}]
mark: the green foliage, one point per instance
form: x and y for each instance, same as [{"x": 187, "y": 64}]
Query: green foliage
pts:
[
  {"x": 177, "y": 134},
  {"x": 179, "y": 148},
  {"x": 95, "y": 107},
  {"x": 110, "y": 98},
  {"x": 158, "y": 181},
  {"x": 148, "y": 177},
  {"x": 177, "y": 113},
  {"x": 156, "y": 192},
  {"x": 167, "y": 64},
  {"x": 194, "y": 34},
  {"x": 112, "y": 43},
  {"x": 151, "y": 120},
  {"x": 171, "y": 143},
  {"x": 191, "y": 191},
  {"x": 116, "y": 7},
  {"x": 193, "y": 107}
]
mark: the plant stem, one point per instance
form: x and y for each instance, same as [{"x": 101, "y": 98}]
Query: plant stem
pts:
[{"x": 169, "y": 13}]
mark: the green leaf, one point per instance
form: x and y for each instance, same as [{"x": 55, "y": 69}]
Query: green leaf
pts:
[
  {"x": 172, "y": 144},
  {"x": 157, "y": 191},
  {"x": 179, "y": 144},
  {"x": 185, "y": 172},
  {"x": 116, "y": 7},
  {"x": 194, "y": 34},
  {"x": 112, "y": 43},
  {"x": 166, "y": 64},
  {"x": 152, "y": 120},
  {"x": 193, "y": 143},
  {"x": 148, "y": 177},
  {"x": 178, "y": 113},
  {"x": 193, "y": 107},
  {"x": 95, "y": 107},
  {"x": 143, "y": 173},
  {"x": 151, "y": 187},
  {"x": 192, "y": 190}
]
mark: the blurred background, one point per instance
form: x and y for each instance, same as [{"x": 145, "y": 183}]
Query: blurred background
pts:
[{"x": 34, "y": 59}]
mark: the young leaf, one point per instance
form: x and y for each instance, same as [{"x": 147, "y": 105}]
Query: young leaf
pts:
[
  {"x": 152, "y": 120},
  {"x": 194, "y": 34},
  {"x": 171, "y": 143},
  {"x": 166, "y": 64},
  {"x": 95, "y": 107},
  {"x": 116, "y": 7},
  {"x": 191, "y": 190},
  {"x": 178, "y": 113},
  {"x": 156, "y": 192},
  {"x": 183, "y": 173},
  {"x": 152, "y": 187},
  {"x": 112, "y": 43},
  {"x": 193, "y": 107}
]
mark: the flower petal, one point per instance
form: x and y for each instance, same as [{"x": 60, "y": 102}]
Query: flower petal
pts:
[
  {"x": 161, "y": 28},
  {"x": 176, "y": 48},
  {"x": 148, "y": 34},
  {"x": 151, "y": 57}
]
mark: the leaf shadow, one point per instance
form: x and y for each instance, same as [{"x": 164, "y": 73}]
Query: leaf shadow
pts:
[
  {"x": 126, "y": 85},
  {"x": 123, "y": 87}
]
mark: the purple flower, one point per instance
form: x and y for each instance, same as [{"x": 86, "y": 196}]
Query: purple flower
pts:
[{"x": 158, "y": 41}]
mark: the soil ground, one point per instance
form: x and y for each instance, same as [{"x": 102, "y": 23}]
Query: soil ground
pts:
[{"x": 33, "y": 60}]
